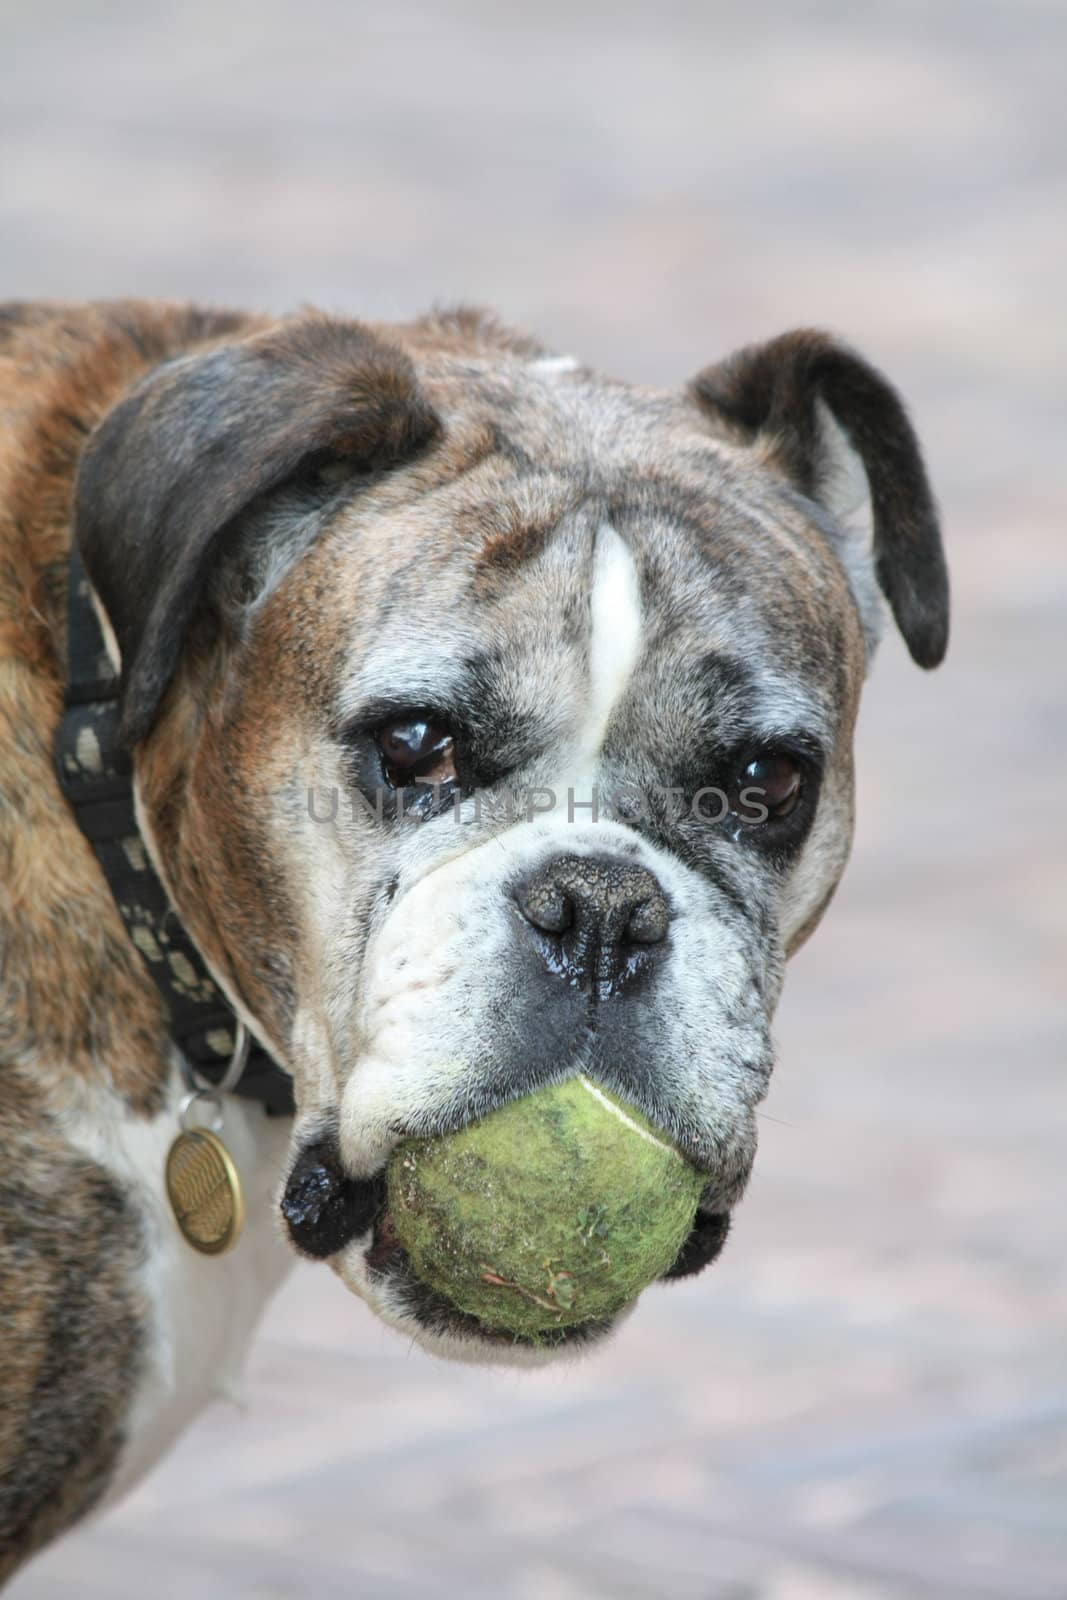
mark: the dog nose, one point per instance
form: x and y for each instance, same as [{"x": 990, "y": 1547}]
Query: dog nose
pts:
[{"x": 599, "y": 922}]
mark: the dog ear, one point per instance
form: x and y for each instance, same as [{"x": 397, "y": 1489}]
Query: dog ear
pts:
[
  {"x": 778, "y": 394},
  {"x": 175, "y": 464}
]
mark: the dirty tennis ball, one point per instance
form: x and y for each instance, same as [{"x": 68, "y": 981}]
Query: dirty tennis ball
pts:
[{"x": 554, "y": 1210}]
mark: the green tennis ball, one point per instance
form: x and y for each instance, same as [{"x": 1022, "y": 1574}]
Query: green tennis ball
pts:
[{"x": 555, "y": 1210}]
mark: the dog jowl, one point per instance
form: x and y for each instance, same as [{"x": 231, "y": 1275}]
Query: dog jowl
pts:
[{"x": 491, "y": 722}]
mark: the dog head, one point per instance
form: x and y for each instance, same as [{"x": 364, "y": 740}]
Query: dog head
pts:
[{"x": 493, "y": 721}]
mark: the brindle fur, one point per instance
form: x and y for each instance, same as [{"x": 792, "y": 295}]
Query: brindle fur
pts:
[{"x": 76, "y": 1006}]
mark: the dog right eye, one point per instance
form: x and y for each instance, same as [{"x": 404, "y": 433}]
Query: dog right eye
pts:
[
  {"x": 772, "y": 782},
  {"x": 416, "y": 750}
]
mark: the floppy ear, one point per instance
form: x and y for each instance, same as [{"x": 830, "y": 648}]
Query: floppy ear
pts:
[
  {"x": 775, "y": 394},
  {"x": 171, "y": 468}
]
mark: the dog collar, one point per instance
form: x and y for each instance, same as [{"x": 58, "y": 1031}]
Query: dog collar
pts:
[{"x": 96, "y": 775}]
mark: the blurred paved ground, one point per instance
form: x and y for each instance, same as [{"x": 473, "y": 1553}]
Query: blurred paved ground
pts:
[{"x": 867, "y": 1399}]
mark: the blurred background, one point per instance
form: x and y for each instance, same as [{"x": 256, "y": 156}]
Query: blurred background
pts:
[{"x": 867, "y": 1398}]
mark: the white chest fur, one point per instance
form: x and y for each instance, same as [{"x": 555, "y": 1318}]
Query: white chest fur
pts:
[{"x": 201, "y": 1310}]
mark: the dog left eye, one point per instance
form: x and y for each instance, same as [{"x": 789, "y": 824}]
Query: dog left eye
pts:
[
  {"x": 768, "y": 787},
  {"x": 416, "y": 750}
]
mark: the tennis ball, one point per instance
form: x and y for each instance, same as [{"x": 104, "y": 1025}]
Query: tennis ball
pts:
[{"x": 554, "y": 1210}]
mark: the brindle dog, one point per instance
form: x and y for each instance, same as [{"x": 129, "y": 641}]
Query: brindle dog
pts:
[{"x": 338, "y": 564}]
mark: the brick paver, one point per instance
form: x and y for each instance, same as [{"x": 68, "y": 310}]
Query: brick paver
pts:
[{"x": 867, "y": 1398}]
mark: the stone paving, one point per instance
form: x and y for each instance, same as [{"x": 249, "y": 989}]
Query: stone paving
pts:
[{"x": 867, "y": 1398}]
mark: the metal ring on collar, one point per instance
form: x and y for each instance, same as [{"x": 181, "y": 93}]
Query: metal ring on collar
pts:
[{"x": 234, "y": 1067}]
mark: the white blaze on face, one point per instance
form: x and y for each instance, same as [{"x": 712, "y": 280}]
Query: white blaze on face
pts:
[{"x": 615, "y": 638}]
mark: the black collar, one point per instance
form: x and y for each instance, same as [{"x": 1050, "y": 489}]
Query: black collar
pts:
[{"x": 96, "y": 775}]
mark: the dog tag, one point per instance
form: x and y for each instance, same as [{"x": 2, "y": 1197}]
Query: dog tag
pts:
[{"x": 204, "y": 1189}]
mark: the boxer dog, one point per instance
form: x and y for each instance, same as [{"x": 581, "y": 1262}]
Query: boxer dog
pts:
[{"x": 488, "y": 720}]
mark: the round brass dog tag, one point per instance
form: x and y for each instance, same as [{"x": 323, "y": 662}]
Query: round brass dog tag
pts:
[{"x": 204, "y": 1189}]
